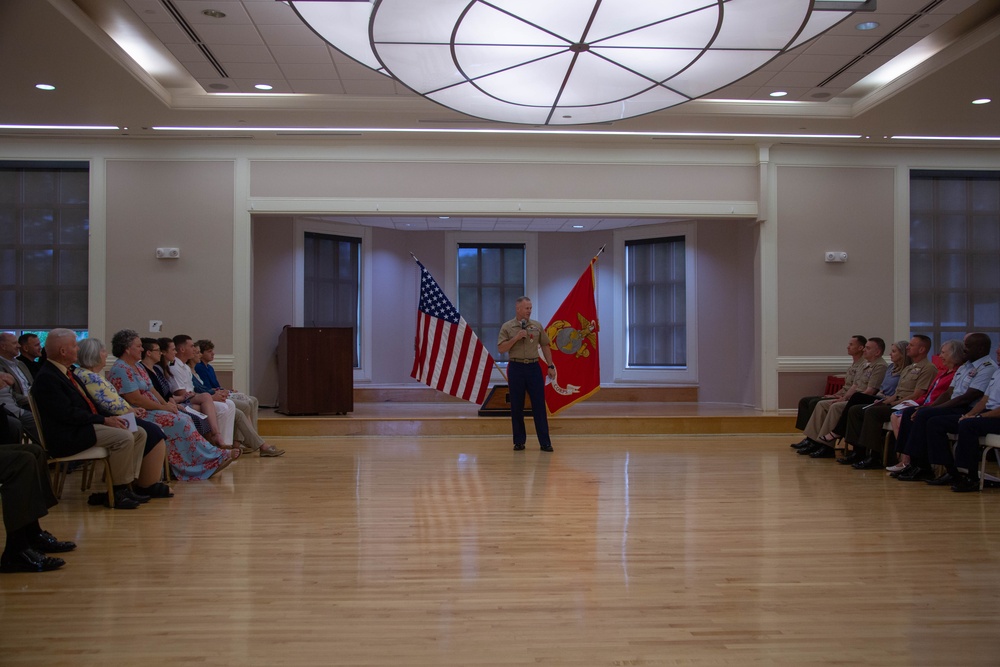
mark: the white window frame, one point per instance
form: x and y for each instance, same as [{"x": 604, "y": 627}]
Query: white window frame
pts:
[
  {"x": 302, "y": 225},
  {"x": 689, "y": 373}
]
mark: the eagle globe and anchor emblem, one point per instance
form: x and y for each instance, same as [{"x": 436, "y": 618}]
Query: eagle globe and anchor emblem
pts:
[{"x": 577, "y": 342}]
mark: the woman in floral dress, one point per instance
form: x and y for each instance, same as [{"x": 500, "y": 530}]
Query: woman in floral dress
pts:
[{"x": 189, "y": 454}]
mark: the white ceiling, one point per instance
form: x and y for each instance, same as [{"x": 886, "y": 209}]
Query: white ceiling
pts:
[{"x": 134, "y": 65}]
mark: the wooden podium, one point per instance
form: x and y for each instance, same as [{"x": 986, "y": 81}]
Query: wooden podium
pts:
[
  {"x": 315, "y": 370},
  {"x": 497, "y": 403}
]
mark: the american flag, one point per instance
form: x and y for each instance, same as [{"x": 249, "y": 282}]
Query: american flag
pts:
[{"x": 449, "y": 355}]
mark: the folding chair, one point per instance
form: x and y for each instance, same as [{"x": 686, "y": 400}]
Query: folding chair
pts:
[{"x": 87, "y": 457}]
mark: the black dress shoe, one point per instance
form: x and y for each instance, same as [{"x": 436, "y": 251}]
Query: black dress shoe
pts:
[
  {"x": 823, "y": 452},
  {"x": 29, "y": 560},
  {"x": 137, "y": 497},
  {"x": 48, "y": 544},
  {"x": 157, "y": 490},
  {"x": 806, "y": 451},
  {"x": 123, "y": 501},
  {"x": 801, "y": 443},
  {"x": 869, "y": 463},
  {"x": 944, "y": 480},
  {"x": 546, "y": 448},
  {"x": 518, "y": 448},
  {"x": 850, "y": 459},
  {"x": 915, "y": 474},
  {"x": 905, "y": 471},
  {"x": 966, "y": 484}
]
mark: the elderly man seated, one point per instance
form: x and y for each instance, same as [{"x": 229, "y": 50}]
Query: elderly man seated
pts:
[
  {"x": 15, "y": 383},
  {"x": 72, "y": 423}
]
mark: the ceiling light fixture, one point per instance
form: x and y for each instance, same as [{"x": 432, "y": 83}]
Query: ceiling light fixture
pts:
[
  {"x": 59, "y": 127},
  {"x": 867, "y": 25},
  {"x": 44, "y": 86},
  {"x": 504, "y": 131},
  {"x": 565, "y": 62},
  {"x": 779, "y": 93},
  {"x": 922, "y": 138},
  {"x": 214, "y": 13},
  {"x": 263, "y": 86},
  {"x": 982, "y": 100}
]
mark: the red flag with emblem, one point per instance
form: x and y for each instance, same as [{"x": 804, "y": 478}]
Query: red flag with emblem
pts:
[{"x": 573, "y": 335}]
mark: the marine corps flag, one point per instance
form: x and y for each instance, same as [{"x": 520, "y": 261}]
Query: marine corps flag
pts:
[{"x": 573, "y": 335}]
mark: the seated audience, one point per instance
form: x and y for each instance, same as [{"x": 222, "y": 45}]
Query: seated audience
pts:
[
  {"x": 183, "y": 372},
  {"x": 191, "y": 456},
  {"x": 92, "y": 357},
  {"x": 855, "y": 348},
  {"x": 828, "y": 411},
  {"x": 216, "y": 424},
  {"x": 864, "y": 422},
  {"x": 26, "y": 496},
  {"x": 248, "y": 405},
  {"x": 72, "y": 423},
  {"x": 967, "y": 386}
]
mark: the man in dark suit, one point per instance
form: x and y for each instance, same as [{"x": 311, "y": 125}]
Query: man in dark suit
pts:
[
  {"x": 30, "y": 347},
  {"x": 27, "y": 495},
  {"x": 71, "y": 423}
]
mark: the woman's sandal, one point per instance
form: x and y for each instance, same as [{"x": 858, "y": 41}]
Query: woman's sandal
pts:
[
  {"x": 828, "y": 440},
  {"x": 231, "y": 455}
]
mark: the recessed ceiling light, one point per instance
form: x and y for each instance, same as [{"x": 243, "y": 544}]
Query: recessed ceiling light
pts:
[
  {"x": 44, "y": 86},
  {"x": 444, "y": 217},
  {"x": 577, "y": 226},
  {"x": 982, "y": 100},
  {"x": 214, "y": 13},
  {"x": 867, "y": 25},
  {"x": 778, "y": 93},
  {"x": 264, "y": 86}
]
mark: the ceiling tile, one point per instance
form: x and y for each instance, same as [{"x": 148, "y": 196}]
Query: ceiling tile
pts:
[
  {"x": 150, "y": 11},
  {"x": 228, "y": 54},
  {"x": 260, "y": 72},
  {"x": 316, "y": 86},
  {"x": 169, "y": 33},
  {"x": 302, "y": 55},
  {"x": 290, "y": 35},
  {"x": 229, "y": 34},
  {"x": 269, "y": 12},
  {"x": 310, "y": 71}
]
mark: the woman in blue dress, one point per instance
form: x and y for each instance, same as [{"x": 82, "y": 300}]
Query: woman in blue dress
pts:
[{"x": 189, "y": 454}]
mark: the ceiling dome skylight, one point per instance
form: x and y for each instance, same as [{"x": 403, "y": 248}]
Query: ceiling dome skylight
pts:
[{"x": 565, "y": 62}]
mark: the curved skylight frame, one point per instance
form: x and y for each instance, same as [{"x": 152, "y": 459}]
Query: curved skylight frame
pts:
[{"x": 565, "y": 62}]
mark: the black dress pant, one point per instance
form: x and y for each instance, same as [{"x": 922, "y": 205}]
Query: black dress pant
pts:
[{"x": 26, "y": 491}]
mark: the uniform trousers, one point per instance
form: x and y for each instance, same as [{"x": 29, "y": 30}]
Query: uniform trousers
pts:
[
  {"x": 806, "y": 406},
  {"x": 912, "y": 438},
  {"x": 527, "y": 378},
  {"x": 864, "y": 426},
  {"x": 967, "y": 450}
]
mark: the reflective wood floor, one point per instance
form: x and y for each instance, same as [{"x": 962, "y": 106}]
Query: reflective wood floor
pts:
[{"x": 459, "y": 551}]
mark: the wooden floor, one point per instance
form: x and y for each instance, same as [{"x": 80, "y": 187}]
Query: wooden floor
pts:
[{"x": 458, "y": 551}]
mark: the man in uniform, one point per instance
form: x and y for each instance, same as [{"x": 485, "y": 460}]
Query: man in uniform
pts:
[{"x": 520, "y": 339}]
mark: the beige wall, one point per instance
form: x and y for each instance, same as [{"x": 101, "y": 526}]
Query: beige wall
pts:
[
  {"x": 773, "y": 316},
  {"x": 179, "y": 204},
  {"x": 848, "y": 209}
]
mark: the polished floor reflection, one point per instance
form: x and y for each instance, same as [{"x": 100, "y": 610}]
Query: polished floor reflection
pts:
[{"x": 459, "y": 551}]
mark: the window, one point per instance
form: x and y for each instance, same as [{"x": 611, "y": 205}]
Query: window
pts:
[
  {"x": 656, "y": 303},
  {"x": 491, "y": 276},
  {"x": 44, "y": 246},
  {"x": 332, "y": 284},
  {"x": 954, "y": 245}
]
